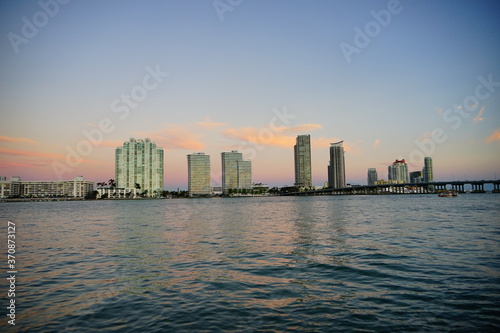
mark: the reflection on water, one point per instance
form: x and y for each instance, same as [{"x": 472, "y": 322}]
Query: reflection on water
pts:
[{"x": 382, "y": 263}]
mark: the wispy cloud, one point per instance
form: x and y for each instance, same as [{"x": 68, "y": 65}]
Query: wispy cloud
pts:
[
  {"x": 111, "y": 143},
  {"x": 495, "y": 136},
  {"x": 18, "y": 152},
  {"x": 276, "y": 139},
  {"x": 207, "y": 123},
  {"x": 8, "y": 164},
  {"x": 16, "y": 140},
  {"x": 323, "y": 142},
  {"x": 275, "y": 136},
  {"x": 176, "y": 137},
  {"x": 426, "y": 136},
  {"x": 376, "y": 143},
  {"x": 257, "y": 136},
  {"x": 298, "y": 128},
  {"x": 479, "y": 116},
  {"x": 440, "y": 110}
]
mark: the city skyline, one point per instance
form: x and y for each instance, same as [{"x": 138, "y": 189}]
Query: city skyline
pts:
[
  {"x": 239, "y": 175},
  {"x": 424, "y": 82}
]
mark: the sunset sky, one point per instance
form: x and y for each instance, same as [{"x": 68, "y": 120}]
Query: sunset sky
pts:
[{"x": 392, "y": 79}]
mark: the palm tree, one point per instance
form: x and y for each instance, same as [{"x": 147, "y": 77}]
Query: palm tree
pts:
[{"x": 112, "y": 183}]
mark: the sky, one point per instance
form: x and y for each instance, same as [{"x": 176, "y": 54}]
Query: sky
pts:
[{"x": 393, "y": 79}]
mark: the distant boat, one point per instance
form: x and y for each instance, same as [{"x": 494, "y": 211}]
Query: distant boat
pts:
[{"x": 448, "y": 193}]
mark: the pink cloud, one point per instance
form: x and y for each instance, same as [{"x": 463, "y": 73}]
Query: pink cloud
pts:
[
  {"x": 5, "y": 164},
  {"x": 376, "y": 143},
  {"x": 323, "y": 142},
  {"x": 209, "y": 124},
  {"x": 267, "y": 136},
  {"x": 299, "y": 128},
  {"x": 16, "y": 140},
  {"x": 175, "y": 137},
  {"x": 495, "y": 136},
  {"x": 479, "y": 116},
  {"x": 17, "y": 152},
  {"x": 262, "y": 136},
  {"x": 111, "y": 143}
]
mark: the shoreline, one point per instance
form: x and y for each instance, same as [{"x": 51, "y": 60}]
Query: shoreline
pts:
[{"x": 219, "y": 197}]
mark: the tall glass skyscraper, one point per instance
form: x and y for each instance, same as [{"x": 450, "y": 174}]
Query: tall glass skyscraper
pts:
[
  {"x": 302, "y": 154},
  {"x": 139, "y": 162},
  {"x": 236, "y": 173},
  {"x": 336, "y": 169},
  {"x": 372, "y": 176},
  {"x": 199, "y": 174},
  {"x": 428, "y": 171}
]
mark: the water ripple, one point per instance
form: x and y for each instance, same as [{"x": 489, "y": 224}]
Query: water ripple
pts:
[{"x": 316, "y": 264}]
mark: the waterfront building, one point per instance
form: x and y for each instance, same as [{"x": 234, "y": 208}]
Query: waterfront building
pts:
[
  {"x": 117, "y": 192},
  {"x": 236, "y": 173},
  {"x": 139, "y": 163},
  {"x": 302, "y": 157},
  {"x": 5, "y": 187},
  {"x": 336, "y": 169},
  {"x": 260, "y": 188},
  {"x": 416, "y": 177},
  {"x": 199, "y": 174},
  {"x": 77, "y": 187},
  {"x": 428, "y": 172},
  {"x": 372, "y": 176},
  {"x": 388, "y": 182},
  {"x": 398, "y": 171},
  {"x": 217, "y": 190}
]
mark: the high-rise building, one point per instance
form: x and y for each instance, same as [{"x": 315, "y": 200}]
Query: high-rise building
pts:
[
  {"x": 428, "y": 172},
  {"x": 336, "y": 169},
  {"x": 302, "y": 153},
  {"x": 199, "y": 174},
  {"x": 372, "y": 176},
  {"x": 139, "y": 163},
  {"x": 416, "y": 177},
  {"x": 398, "y": 172},
  {"x": 236, "y": 173}
]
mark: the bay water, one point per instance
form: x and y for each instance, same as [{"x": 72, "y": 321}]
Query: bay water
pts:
[{"x": 393, "y": 263}]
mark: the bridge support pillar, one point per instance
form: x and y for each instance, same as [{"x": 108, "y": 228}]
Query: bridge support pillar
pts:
[{"x": 478, "y": 188}]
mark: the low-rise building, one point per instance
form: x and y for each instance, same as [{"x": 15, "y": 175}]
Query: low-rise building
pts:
[
  {"x": 388, "y": 182},
  {"x": 117, "y": 192},
  {"x": 77, "y": 187}
]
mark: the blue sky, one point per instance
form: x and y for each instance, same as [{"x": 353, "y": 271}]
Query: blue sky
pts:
[{"x": 229, "y": 78}]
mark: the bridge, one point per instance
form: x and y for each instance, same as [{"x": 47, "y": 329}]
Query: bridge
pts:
[{"x": 416, "y": 188}]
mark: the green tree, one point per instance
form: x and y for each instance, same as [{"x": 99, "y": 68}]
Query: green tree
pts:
[{"x": 91, "y": 195}]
